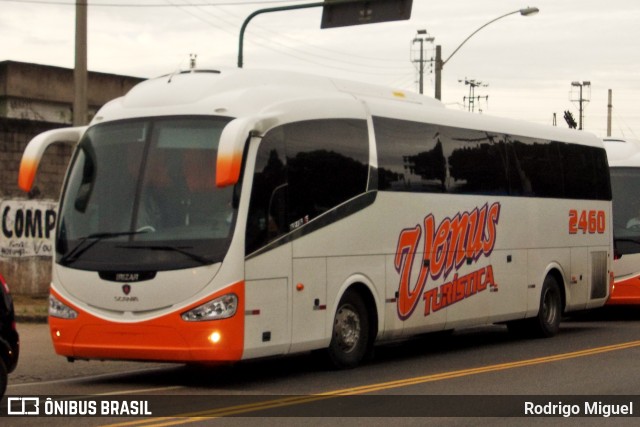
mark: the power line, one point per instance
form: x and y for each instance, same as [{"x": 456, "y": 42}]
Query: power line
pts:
[
  {"x": 308, "y": 48},
  {"x": 305, "y": 54},
  {"x": 141, "y": 5},
  {"x": 223, "y": 20}
]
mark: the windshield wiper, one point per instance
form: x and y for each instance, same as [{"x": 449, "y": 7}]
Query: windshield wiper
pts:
[
  {"x": 83, "y": 246},
  {"x": 198, "y": 258}
]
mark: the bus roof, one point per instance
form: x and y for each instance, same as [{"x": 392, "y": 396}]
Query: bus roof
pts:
[
  {"x": 622, "y": 151},
  {"x": 250, "y": 93}
]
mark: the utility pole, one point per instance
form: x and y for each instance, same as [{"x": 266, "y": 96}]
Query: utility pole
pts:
[
  {"x": 421, "y": 37},
  {"x": 438, "y": 78},
  {"x": 609, "y": 112},
  {"x": 473, "y": 84},
  {"x": 581, "y": 100},
  {"x": 80, "y": 115}
]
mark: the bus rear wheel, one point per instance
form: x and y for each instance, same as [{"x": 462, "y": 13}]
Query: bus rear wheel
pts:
[
  {"x": 547, "y": 322},
  {"x": 350, "y": 336}
]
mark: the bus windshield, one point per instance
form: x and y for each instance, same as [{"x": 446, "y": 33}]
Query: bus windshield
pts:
[
  {"x": 626, "y": 210},
  {"x": 141, "y": 196}
]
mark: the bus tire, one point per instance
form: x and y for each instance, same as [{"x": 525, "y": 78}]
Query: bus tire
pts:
[
  {"x": 550, "y": 313},
  {"x": 547, "y": 322},
  {"x": 350, "y": 334}
]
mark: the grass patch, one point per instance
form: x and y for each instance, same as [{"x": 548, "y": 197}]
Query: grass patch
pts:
[{"x": 28, "y": 305}]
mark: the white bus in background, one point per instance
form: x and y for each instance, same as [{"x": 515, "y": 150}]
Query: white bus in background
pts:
[
  {"x": 227, "y": 215},
  {"x": 624, "y": 162}
]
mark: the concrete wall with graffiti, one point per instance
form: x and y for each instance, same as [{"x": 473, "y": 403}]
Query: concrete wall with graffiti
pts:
[
  {"x": 26, "y": 244},
  {"x": 35, "y": 98},
  {"x": 27, "y": 228},
  {"x": 27, "y": 221}
]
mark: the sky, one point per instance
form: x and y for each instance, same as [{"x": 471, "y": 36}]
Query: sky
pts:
[{"x": 526, "y": 64}]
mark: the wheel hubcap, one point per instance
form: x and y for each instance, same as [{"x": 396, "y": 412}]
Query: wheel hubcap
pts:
[
  {"x": 346, "y": 328},
  {"x": 549, "y": 307}
]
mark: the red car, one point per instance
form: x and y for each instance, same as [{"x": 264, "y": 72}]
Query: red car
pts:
[{"x": 9, "y": 339}]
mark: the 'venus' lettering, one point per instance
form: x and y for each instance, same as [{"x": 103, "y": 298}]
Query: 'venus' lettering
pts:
[{"x": 464, "y": 238}]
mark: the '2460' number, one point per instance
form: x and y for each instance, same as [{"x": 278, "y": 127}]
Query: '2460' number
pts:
[{"x": 588, "y": 221}]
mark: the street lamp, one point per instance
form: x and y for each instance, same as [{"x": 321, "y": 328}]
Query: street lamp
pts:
[
  {"x": 527, "y": 11},
  {"x": 581, "y": 100}
]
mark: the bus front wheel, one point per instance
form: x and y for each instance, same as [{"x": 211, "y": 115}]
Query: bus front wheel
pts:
[{"x": 350, "y": 336}]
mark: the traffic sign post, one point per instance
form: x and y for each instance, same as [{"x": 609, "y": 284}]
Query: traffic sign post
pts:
[{"x": 341, "y": 13}]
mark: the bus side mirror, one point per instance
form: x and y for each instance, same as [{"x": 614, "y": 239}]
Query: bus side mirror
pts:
[
  {"x": 231, "y": 146},
  {"x": 36, "y": 148}
]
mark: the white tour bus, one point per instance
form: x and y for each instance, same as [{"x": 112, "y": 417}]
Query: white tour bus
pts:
[
  {"x": 624, "y": 162},
  {"x": 227, "y": 215}
]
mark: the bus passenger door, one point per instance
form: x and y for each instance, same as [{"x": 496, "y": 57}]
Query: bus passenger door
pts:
[{"x": 267, "y": 294}]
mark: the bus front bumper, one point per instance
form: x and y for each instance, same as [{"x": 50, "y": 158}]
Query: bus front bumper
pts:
[{"x": 168, "y": 338}]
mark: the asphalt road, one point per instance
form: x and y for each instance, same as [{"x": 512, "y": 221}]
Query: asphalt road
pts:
[{"x": 482, "y": 372}]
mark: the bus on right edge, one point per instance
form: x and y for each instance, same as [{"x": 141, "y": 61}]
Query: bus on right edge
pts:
[{"x": 624, "y": 163}]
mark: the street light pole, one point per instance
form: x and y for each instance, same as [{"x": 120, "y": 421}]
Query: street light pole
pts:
[
  {"x": 269, "y": 10},
  {"x": 528, "y": 11},
  {"x": 283, "y": 9}
]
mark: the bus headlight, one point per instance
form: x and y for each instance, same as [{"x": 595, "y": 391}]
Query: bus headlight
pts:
[
  {"x": 58, "y": 309},
  {"x": 219, "y": 308}
]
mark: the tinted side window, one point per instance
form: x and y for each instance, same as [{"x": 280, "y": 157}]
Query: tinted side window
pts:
[
  {"x": 328, "y": 164},
  {"x": 602, "y": 174},
  {"x": 410, "y": 156},
  {"x": 540, "y": 167},
  {"x": 585, "y": 172},
  {"x": 477, "y": 162},
  {"x": 267, "y": 218},
  {"x": 302, "y": 170},
  {"x": 420, "y": 157}
]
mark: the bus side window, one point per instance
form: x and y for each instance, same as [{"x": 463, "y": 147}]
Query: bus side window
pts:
[
  {"x": 583, "y": 172},
  {"x": 540, "y": 164},
  {"x": 327, "y": 164},
  {"x": 267, "y": 208},
  {"x": 477, "y": 161},
  {"x": 410, "y": 156}
]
